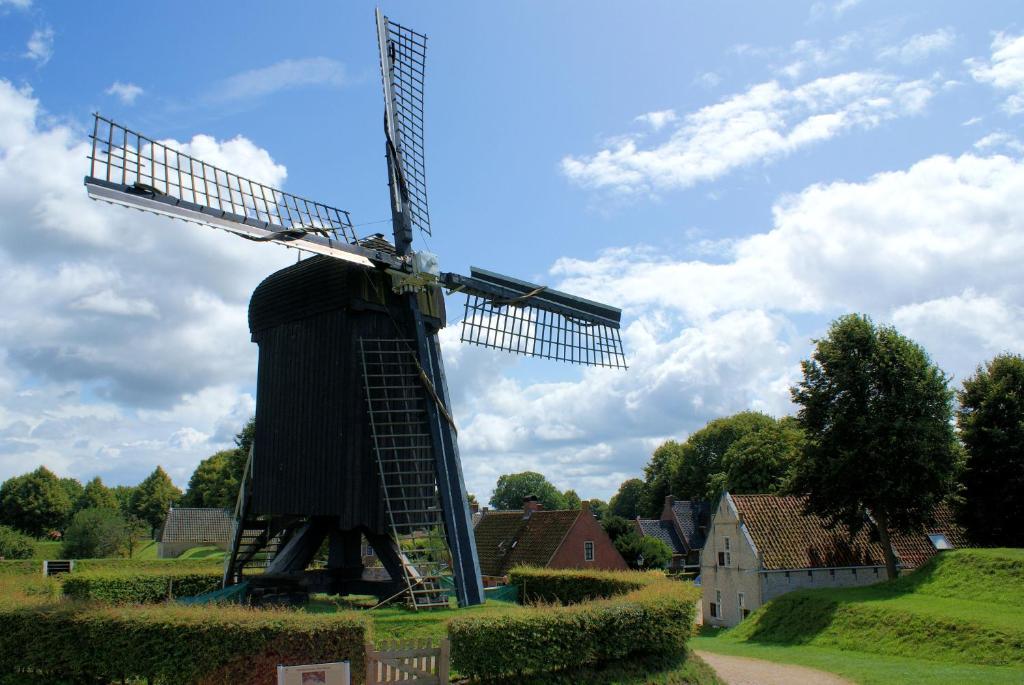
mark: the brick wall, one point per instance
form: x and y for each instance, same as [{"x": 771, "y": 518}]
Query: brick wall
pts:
[{"x": 571, "y": 552}]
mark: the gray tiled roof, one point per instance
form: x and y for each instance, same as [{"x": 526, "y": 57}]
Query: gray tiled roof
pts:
[
  {"x": 664, "y": 531},
  {"x": 192, "y": 524},
  {"x": 691, "y": 516}
]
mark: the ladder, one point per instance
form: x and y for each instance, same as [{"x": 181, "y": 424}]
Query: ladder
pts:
[
  {"x": 255, "y": 540},
  {"x": 403, "y": 447}
]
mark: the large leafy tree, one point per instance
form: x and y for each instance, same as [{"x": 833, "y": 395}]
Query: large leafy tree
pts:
[
  {"x": 879, "y": 439},
  {"x": 643, "y": 552},
  {"x": 572, "y": 500},
  {"x": 617, "y": 526},
  {"x": 123, "y": 494},
  {"x": 627, "y": 501},
  {"x": 35, "y": 503},
  {"x": 599, "y": 508},
  {"x": 96, "y": 495},
  {"x": 153, "y": 497},
  {"x": 96, "y": 533},
  {"x": 991, "y": 423},
  {"x": 761, "y": 461},
  {"x": 213, "y": 483},
  {"x": 513, "y": 487},
  {"x": 700, "y": 457},
  {"x": 657, "y": 474}
]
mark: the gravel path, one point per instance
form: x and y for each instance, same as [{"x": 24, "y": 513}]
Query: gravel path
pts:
[{"x": 741, "y": 670}]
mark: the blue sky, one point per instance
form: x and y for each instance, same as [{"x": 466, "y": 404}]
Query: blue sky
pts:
[{"x": 733, "y": 175}]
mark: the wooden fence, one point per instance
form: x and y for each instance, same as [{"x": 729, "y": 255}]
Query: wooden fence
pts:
[{"x": 408, "y": 660}]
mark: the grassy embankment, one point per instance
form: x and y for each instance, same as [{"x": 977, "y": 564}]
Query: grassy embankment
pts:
[{"x": 960, "y": 618}]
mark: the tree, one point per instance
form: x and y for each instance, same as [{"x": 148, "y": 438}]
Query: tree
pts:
[
  {"x": 599, "y": 508},
  {"x": 617, "y": 527},
  {"x": 991, "y": 423},
  {"x": 123, "y": 494},
  {"x": 761, "y": 461},
  {"x": 14, "y": 544},
  {"x": 700, "y": 458},
  {"x": 96, "y": 495},
  {"x": 471, "y": 498},
  {"x": 74, "y": 490},
  {"x": 626, "y": 502},
  {"x": 643, "y": 552},
  {"x": 572, "y": 500},
  {"x": 879, "y": 440},
  {"x": 513, "y": 487},
  {"x": 153, "y": 497},
  {"x": 212, "y": 483},
  {"x": 35, "y": 503},
  {"x": 95, "y": 534},
  {"x": 657, "y": 477}
]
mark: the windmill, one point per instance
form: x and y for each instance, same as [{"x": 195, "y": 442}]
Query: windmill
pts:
[{"x": 354, "y": 436}]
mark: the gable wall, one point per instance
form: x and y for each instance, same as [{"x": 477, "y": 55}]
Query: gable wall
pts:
[
  {"x": 740, "y": 576},
  {"x": 570, "y": 553}
]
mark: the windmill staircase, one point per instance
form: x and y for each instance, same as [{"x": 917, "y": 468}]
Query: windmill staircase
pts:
[
  {"x": 257, "y": 538},
  {"x": 397, "y": 399}
]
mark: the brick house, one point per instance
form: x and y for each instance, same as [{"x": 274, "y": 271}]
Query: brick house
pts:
[
  {"x": 683, "y": 526},
  {"x": 763, "y": 546},
  {"x": 188, "y": 527},
  {"x": 535, "y": 537}
]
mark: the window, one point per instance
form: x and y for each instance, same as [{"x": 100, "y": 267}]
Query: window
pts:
[
  {"x": 725, "y": 558},
  {"x": 742, "y": 600},
  {"x": 788, "y": 579},
  {"x": 588, "y": 551},
  {"x": 832, "y": 572},
  {"x": 853, "y": 571},
  {"x": 716, "y": 606},
  {"x": 876, "y": 570},
  {"x": 810, "y": 574},
  {"x": 940, "y": 542}
]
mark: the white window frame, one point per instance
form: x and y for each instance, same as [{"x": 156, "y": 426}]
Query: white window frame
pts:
[
  {"x": 741, "y": 600},
  {"x": 589, "y": 551},
  {"x": 728, "y": 552},
  {"x": 718, "y": 604}
]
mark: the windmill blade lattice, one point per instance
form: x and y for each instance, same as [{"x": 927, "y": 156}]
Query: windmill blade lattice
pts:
[
  {"x": 128, "y": 168},
  {"x": 405, "y": 67}
]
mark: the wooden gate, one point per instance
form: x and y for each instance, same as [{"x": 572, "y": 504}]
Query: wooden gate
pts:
[{"x": 410, "y": 660}]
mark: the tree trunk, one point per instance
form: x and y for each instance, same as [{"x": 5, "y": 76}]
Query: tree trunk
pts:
[{"x": 882, "y": 521}]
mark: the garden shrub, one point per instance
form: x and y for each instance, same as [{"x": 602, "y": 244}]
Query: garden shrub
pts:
[
  {"x": 170, "y": 644},
  {"x": 95, "y": 533},
  {"x": 654, "y": 616},
  {"x": 570, "y": 586},
  {"x": 14, "y": 544},
  {"x": 140, "y": 587}
]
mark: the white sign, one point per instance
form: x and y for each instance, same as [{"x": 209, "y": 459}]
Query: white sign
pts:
[{"x": 315, "y": 674}]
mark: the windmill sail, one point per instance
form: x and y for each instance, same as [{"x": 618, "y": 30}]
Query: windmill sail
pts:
[
  {"x": 508, "y": 314},
  {"x": 127, "y": 168},
  {"x": 403, "y": 54}
]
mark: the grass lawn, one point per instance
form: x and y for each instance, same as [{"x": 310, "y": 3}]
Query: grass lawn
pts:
[
  {"x": 46, "y": 549},
  {"x": 146, "y": 549},
  {"x": 202, "y": 553},
  {"x": 960, "y": 618},
  {"x": 863, "y": 667}
]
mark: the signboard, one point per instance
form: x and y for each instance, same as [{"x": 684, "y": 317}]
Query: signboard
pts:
[{"x": 315, "y": 674}]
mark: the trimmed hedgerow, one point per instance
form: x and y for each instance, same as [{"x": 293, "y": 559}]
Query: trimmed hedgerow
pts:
[
  {"x": 147, "y": 587},
  {"x": 654, "y": 618},
  {"x": 30, "y": 566},
  {"x": 170, "y": 644},
  {"x": 570, "y": 586}
]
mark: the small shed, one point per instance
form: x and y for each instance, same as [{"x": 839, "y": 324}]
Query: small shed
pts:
[{"x": 188, "y": 527}]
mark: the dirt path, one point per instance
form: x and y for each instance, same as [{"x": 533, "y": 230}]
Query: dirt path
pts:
[{"x": 741, "y": 670}]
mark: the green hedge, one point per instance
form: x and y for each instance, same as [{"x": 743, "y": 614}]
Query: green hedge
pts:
[
  {"x": 170, "y": 644},
  {"x": 144, "y": 587},
  {"x": 654, "y": 618},
  {"x": 571, "y": 586},
  {"x": 29, "y": 566}
]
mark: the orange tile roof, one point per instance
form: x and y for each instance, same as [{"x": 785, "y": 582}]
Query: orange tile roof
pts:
[
  {"x": 789, "y": 539},
  {"x": 505, "y": 539}
]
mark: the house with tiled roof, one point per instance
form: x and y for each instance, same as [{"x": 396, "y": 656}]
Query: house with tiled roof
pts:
[
  {"x": 762, "y": 546},
  {"x": 682, "y": 526},
  {"x": 188, "y": 527},
  {"x": 568, "y": 538}
]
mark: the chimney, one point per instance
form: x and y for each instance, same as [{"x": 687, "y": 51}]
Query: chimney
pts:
[
  {"x": 531, "y": 504},
  {"x": 585, "y": 505},
  {"x": 666, "y": 512}
]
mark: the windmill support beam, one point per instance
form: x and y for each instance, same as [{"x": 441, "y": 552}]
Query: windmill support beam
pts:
[{"x": 458, "y": 521}]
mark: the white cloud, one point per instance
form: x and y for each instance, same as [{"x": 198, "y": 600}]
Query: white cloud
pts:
[
  {"x": 807, "y": 55},
  {"x": 124, "y": 337},
  {"x": 972, "y": 121},
  {"x": 1000, "y": 139},
  {"x": 127, "y": 93},
  {"x": 920, "y": 46},
  {"x": 17, "y": 4},
  {"x": 284, "y": 75},
  {"x": 708, "y": 79},
  {"x": 1005, "y": 69},
  {"x": 836, "y": 9},
  {"x": 766, "y": 122},
  {"x": 657, "y": 120},
  {"x": 40, "y": 45}
]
